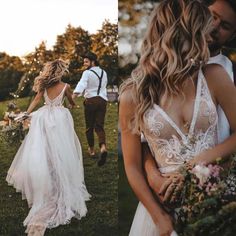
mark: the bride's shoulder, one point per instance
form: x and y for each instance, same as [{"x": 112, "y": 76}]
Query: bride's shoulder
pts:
[
  {"x": 65, "y": 85},
  {"x": 67, "y": 88},
  {"x": 127, "y": 92}
]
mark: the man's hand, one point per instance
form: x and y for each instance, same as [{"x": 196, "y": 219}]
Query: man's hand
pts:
[
  {"x": 163, "y": 185},
  {"x": 171, "y": 187},
  {"x": 70, "y": 106},
  {"x": 74, "y": 95},
  {"x": 153, "y": 175}
]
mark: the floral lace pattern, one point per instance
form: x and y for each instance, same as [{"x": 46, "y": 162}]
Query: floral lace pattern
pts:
[{"x": 170, "y": 146}]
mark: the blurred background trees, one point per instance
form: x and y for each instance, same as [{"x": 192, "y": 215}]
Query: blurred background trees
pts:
[
  {"x": 105, "y": 45},
  {"x": 133, "y": 21},
  {"x": 17, "y": 74}
]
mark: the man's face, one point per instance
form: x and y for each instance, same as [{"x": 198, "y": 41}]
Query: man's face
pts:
[
  {"x": 224, "y": 24},
  {"x": 87, "y": 63}
]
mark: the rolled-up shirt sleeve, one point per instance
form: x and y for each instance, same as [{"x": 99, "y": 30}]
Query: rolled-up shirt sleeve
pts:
[{"x": 82, "y": 84}]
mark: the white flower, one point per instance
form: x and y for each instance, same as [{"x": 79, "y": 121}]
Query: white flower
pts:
[{"x": 202, "y": 173}]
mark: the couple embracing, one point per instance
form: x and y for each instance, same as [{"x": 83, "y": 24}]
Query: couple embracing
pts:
[{"x": 181, "y": 100}]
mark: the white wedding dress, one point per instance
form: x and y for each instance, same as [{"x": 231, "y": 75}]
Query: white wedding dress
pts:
[
  {"x": 48, "y": 169},
  {"x": 171, "y": 147}
]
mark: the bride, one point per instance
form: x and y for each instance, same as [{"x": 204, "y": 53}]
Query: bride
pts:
[
  {"x": 48, "y": 167},
  {"x": 171, "y": 99}
]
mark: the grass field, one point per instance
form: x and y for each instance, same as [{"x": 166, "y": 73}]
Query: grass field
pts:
[
  {"x": 102, "y": 184},
  {"x": 127, "y": 202}
]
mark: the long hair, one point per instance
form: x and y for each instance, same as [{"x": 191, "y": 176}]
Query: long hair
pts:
[
  {"x": 173, "y": 48},
  {"x": 51, "y": 74}
]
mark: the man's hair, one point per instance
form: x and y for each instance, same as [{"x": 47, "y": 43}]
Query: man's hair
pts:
[
  {"x": 92, "y": 57},
  {"x": 232, "y": 3},
  {"x": 232, "y": 43},
  {"x": 209, "y": 2}
]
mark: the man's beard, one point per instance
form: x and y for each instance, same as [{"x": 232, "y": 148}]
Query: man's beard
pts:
[{"x": 214, "y": 47}]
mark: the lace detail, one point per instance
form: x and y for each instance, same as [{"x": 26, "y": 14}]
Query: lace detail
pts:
[
  {"x": 57, "y": 101},
  {"x": 154, "y": 124},
  {"x": 171, "y": 147}
]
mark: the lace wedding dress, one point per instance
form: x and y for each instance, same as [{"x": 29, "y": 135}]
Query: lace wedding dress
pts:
[
  {"x": 48, "y": 169},
  {"x": 171, "y": 147}
]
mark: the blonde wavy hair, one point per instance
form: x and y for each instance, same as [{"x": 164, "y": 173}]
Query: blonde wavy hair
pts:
[
  {"x": 173, "y": 49},
  {"x": 51, "y": 74}
]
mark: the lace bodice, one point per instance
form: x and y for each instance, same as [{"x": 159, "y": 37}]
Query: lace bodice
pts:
[
  {"x": 57, "y": 101},
  {"x": 170, "y": 146}
]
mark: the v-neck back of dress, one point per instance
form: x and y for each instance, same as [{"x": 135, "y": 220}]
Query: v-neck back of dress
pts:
[
  {"x": 57, "y": 101},
  {"x": 170, "y": 146}
]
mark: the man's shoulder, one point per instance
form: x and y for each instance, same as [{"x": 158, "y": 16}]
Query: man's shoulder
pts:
[
  {"x": 220, "y": 59},
  {"x": 96, "y": 69},
  {"x": 87, "y": 73}
]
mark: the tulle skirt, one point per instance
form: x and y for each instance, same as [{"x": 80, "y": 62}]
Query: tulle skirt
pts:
[
  {"x": 48, "y": 170},
  {"x": 143, "y": 224}
]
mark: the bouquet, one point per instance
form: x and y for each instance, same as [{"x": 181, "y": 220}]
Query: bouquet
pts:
[
  {"x": 14, "y": 125},
  {"x": 207, "y": 204}
]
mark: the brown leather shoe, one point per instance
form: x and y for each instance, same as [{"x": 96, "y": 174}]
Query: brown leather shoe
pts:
[{"x": 102, "y": 158}]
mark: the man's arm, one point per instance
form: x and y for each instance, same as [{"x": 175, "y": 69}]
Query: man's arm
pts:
[
  {"x": 82, "y": 85},
  {"x": 153, "y": 175},
  {"x": 162, "y": 186}
]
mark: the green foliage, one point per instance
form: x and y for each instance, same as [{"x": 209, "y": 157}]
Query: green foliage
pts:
[
  {"x": 11, "y": 70},
  {"x": 105, "y": 45},
  {"x": 12, "y": 135},
  {"x": 17, "y": 74}
]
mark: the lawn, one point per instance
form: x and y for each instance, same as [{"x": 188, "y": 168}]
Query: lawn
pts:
[
  {"x": 101, "y": 182},
  {"x": 127, "y": 202}
]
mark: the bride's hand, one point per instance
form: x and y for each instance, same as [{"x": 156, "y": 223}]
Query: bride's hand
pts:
[
  {"x": 173, "y": 184},
  {"x": 165, "y": 224}
]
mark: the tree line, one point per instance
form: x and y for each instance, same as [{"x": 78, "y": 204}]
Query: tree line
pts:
[{"x": 17, "y": 74}]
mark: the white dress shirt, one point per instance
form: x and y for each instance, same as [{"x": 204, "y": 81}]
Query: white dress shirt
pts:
[
  {"x": 89, "y": 83},
  {"x": 223, "y": 124}
]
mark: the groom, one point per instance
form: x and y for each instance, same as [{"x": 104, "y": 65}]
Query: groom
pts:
[
  {"x": 93, "y": 84},
  {"x": 224, "y": 34}
]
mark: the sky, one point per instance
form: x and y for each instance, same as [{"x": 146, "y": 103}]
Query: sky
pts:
[{"x": 26, "y": 23}]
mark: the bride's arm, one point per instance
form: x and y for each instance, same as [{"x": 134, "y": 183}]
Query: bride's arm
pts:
[
  {"x": 131, "y": 147},
  {"x": 35, "y": 102},
  {"x": 224, "y": 93},
  {"x": 68, "y": 94}
]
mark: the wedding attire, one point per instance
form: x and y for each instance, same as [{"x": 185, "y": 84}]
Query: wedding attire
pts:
[
  {"x": 48, "y": 168},
  {"x": 93, "y": 84},
  {"x": 171, "y": 147}
]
